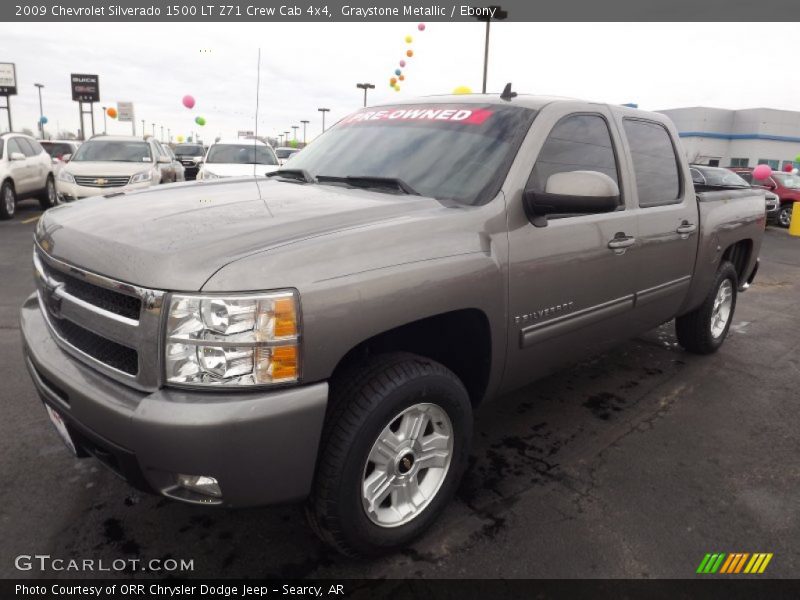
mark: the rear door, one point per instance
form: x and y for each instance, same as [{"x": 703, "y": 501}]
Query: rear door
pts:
[
  {"x": 668, "y": 221},
  {"x": 570, "y": 293},
  {"x": 20, "y": 169}
]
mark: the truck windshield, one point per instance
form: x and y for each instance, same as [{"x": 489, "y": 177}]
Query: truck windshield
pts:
[
  {"x": 458, "y": 152},
  {"x": 189, "y": 150},
  {"x": 113, "y": 151}
]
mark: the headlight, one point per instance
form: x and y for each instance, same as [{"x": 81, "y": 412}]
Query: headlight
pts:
[
  {"x": 204, "y": 174},
  {"x": 65, "y": 176},
  {"x": 246, "y": 339},
  {"x": 141, "y": 177}
]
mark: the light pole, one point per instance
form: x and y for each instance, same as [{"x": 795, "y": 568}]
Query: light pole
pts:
[
  {"x": 286, "y": 138},
  {"x": 154, "y": 130},
  {"x": 162, "y": 133},
  {"x": 305, "y": 123},
  {"x": 169, "y": 135},
  {"x": 280, "y": 139},
  {"x": 365, "y": 87},
  {"x": 144, "y": 130},
  {"x": 41, "y": 112},
  {"x": 499, "y": 15},
  {"x": 323, "y": 111},
  {"x": 104, "y": 119},
  {"x": 295, "y": 128}
]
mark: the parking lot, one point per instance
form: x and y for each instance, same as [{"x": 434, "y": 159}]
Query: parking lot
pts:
[{"x": 634, "y": 464}]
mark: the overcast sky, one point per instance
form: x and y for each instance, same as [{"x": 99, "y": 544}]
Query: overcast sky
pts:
[{"x": 306, "y": 66}]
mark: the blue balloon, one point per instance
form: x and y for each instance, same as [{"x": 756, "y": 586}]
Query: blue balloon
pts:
[
  {"x": 397, "y": 72},
  {"x": 43, "y": 120}
]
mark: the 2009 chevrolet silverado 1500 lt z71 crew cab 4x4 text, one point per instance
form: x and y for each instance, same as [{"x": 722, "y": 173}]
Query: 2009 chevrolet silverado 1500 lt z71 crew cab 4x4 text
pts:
[{"x": 326, "y": 332}]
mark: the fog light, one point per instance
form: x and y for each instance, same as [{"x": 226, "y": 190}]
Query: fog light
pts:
[{"x": 202, "y": 484}]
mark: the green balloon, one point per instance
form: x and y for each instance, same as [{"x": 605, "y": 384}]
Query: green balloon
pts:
[
  {"x": 797, "y": 158},
  {"x": 200, "y": 121}
]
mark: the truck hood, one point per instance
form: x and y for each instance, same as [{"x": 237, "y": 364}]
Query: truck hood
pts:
[{"x": 175, "y": 237}]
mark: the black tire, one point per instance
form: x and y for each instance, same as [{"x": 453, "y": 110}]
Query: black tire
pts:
[
  {"x": 49, "y": 196},
  {"x": 694, "y": 329},
  {"x": 8, "y": 204},
  {"x": 365, "y": 399},
  {"x": 784, "y": 216}
]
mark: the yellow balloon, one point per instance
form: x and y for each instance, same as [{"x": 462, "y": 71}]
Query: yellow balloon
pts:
[
  {"x": 409, "y": 39},
  {"x": 462, "y": 89},
  {"x": 396, "y": 88}
]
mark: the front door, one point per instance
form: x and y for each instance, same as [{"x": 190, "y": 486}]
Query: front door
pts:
[{"x": 571, "y": 282}]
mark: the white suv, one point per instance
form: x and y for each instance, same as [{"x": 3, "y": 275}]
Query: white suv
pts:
[
  {"x": 26, "y": 170},
  {"x": 109, "y": 163}
]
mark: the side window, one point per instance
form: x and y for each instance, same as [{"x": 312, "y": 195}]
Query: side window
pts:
[
  {"x": 27, "y": 147},
  {"x": 655, "y": 164},
  {"x": 13, "y": 146},
  {"x": 37, "y": 147},
  {"x": 576, "y": 143}
]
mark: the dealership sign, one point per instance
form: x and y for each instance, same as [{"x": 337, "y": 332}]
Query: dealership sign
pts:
[
  {"x": 8, "y": 79},
  {"x": 85, "y": 88},
  {"x": 125, "y": 111}
]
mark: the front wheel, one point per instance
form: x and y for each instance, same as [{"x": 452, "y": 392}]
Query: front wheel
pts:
[
  {"x": 784, "y": 217},
  {"x": 393, "y": 451},
  {"x": 49, "y": 197},
  {"x": 703, "y": 330}
]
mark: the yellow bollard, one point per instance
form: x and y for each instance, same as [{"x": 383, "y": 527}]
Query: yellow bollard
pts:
[{"x": 794, "y": 224}]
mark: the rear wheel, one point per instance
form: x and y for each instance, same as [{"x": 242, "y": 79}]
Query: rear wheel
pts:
[
  {"x": 49, "y": 197},
  {"x": 393, "y": 451},
  {"x": 8, "y": 201},
  {"x": 703, "y": 330},
  {"x": 784, "y": 217}
]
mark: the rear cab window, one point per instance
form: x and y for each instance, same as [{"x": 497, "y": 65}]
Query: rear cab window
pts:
[{"x": 655, "y": 163}]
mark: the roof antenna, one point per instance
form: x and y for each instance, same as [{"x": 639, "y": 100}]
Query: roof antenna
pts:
[{"x": 507, "y": 93}]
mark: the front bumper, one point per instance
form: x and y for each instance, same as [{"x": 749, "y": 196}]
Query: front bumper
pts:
[
  {"x": 260, "y": 446},
  {"x": 73, "y": 191}
]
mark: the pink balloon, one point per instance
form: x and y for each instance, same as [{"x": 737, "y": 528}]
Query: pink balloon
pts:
[
  {"x": 762, "y": 172},
  {"x": 402, "y": 63},
  {"x": 421, "y": 26},
  {"x": 188, "y": 101}
]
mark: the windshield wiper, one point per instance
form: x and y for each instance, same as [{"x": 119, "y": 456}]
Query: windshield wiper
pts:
[
  {"x": 371, "y": 182},
  {"x": 299, "y": 174}
]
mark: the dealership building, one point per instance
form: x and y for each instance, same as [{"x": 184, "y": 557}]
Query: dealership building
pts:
[{"x": 738, "y": 138}]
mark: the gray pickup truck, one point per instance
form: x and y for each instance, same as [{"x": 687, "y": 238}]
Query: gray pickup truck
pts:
[{"x": 325, "y": 333}]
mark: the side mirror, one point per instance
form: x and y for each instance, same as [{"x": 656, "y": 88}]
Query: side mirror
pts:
[
  {"x": 16, "y": 156},
  {"x": 163, "y": 160},
  {"x": 572, "y": 192}
]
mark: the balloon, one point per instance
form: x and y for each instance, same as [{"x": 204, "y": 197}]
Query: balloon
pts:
[
  {"x": 409, "y": 39},
  {"x": 421, "y": 26},
  {"x": 200, "y": 121},
  {"x": 462, "y": 89},
  {"x": 43, "y": 120},
  {"x": 188, "y": 101},
  {"x": 402, "y": 78},
  {"x": 398, "y": 72},
  {"x": 180, "y": 139},
  {"x": 762, "y": 172},
  {"x": 409, "y": 53},
  {"x": 112, "y": 112},
  {"x": 396, "y": 88},
  {"x": 403, "y": 64},
  {"x": 787, "y": 168},
  {"x": 797, "y": 158}
]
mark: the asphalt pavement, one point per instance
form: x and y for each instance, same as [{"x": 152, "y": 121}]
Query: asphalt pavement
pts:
[{"x": 633, "y": 464}]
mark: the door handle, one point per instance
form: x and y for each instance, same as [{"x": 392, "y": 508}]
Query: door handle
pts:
[
  {"x": 621, "y": 242},
  {"x": 685, "y": 228}
]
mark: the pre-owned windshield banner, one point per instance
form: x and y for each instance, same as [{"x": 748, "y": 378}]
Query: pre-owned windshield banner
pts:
[{"x": 397, "y": 10}]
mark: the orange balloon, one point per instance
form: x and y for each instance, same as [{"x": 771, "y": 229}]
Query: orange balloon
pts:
[
  {"x": 393, "y": 80},
  {"x": 409, "y": 53},
  {"x": 402, "y": 78},
  {"x": 112, "y": 112}
]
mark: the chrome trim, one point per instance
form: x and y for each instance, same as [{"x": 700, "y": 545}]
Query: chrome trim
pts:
[{"x": 145, "y": 335}]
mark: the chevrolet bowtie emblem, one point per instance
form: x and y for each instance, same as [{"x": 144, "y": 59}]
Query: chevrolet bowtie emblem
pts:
[{"x": 100, "y": 181}]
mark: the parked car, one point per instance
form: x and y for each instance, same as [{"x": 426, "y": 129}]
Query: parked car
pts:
[
  {"x": 236, "y": 158},
  {"x": 107, "y": 163},
  {"x": 284, "y": 152},
  {"x": 190, "y": 155},
  {"x": 172, "y": 171},
  {"x": 26, "y": 170},
  {"x": 785, "y": 185},
  {"x": 338, "y": 322},
  {"x": 60, "y": 150},
  {"x": 705, "y": 177}
]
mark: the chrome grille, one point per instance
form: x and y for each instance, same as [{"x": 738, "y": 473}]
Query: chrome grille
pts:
[
  {"x": 110, "y": 325},
  {"x": 101, "y": 182}
]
